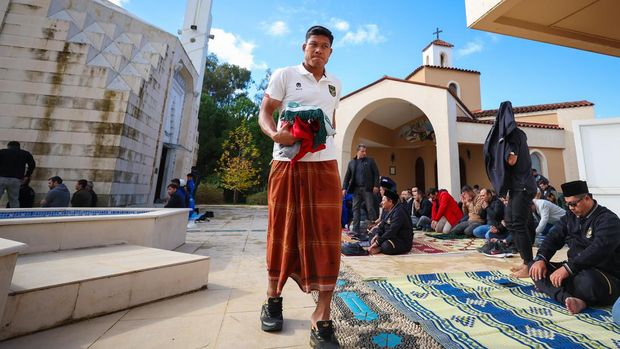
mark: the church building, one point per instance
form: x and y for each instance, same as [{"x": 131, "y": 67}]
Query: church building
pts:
[{"x": 428, "y": 129}]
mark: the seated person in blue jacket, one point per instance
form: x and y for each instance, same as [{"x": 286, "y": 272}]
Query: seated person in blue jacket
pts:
[
  {"x": 395, "y": 233},
  {"x": 591, "y": 275}
]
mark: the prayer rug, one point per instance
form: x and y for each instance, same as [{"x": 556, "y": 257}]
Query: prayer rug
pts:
[
  {"x": 452, "y": 245},
  {"x": 489, "y": 309},
  {"x": 363, "y": 319},
  {"x": 424, "y": 247}
]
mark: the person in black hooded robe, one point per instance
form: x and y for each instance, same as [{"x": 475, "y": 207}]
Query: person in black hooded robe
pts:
[{"x": 509, "y": 166}]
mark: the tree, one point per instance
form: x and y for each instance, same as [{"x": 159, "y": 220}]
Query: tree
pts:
[
  {"x": 223, "y": 82},
  {"x": 223, "y": 104},
  {"x": 236, "y": 166}
]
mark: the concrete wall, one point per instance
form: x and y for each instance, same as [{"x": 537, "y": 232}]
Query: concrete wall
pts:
[{"x": 84, "y": 87}]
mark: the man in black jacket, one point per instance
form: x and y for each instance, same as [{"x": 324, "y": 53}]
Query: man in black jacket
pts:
[
  {"x": 174, "y": 199},
  {"x": 422, "y": 209},
  {"x": 509, "y": 166},
  {"x": 395, "y": 234},
  {"x": 591, "y": 275},
  {"x": 361, "y": 180},
  {"x": 13, "y": 162}
]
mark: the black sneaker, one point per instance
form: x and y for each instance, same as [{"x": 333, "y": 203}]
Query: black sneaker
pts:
[
  {"x": 323, "y": 337},
  {"x": 271, "y": 319}
]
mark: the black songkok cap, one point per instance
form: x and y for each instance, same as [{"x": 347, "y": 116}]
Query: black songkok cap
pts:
[
  {"x": 387, "y": 183},
  {"x": 575, "y": 188},
  {"x": 391, "y": 195}
]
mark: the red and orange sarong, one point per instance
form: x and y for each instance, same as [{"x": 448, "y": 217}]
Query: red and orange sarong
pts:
[{"x": 304, "y": 232}]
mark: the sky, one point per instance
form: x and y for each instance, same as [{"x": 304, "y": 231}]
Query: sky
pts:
[{"x": 377, "y": 38}]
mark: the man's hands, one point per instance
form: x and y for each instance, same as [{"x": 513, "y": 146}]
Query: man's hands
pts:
[
  {"x": 558, "y": 276},
  {"x": 284, "y": 135},
  {"x": 538, "y": 270},
  {"x": 374, "y": 246},
  {"x": 512, "y": 159}
]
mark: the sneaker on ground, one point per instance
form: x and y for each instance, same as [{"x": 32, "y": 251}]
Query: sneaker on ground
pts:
[
  {"x": 271, "y": 319},
  {"x": 500, "y": 250},
  {"x": 323, "y": 337}
]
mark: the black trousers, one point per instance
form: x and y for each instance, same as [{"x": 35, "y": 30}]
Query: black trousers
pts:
[
  {"x": 592, "y": 286},
  {"x": 361, "y": 194},
  {"x": 518, "y": 215},
  {"x": 395, "y": 246}
]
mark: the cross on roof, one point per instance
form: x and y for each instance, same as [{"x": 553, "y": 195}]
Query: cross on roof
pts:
[{"x": 437, "y": 33}]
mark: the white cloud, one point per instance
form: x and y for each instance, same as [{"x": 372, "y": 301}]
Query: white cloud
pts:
[
  {"x": 368, "y": 33},
  {"x": 119, "y": 2},
  {"x": 277, "y": 28},
  {"x": 494, "y": 37},
  {"x": 232, "y": 49},
  {"x": 470, "y": 48},
  {"x": 339, "y": 24}
]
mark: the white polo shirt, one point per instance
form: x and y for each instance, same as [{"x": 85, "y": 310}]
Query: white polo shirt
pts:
[{"x": 296, "y": 84}]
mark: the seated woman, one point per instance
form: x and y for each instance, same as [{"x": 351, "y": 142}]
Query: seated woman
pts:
[
  {"x": 446, "y": 212},
  {"x": 395, "y": 232}
]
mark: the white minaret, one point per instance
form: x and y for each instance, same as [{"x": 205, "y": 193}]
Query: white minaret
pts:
[
  {"x": 438, "y": 52},
  {"x": 195, "y": 35}
]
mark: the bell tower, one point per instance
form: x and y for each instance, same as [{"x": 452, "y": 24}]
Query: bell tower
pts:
[{"x": 438, "y": 53}]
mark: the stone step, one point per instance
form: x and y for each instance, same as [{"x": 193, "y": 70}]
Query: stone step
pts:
[{"x": 54, "y": 288}]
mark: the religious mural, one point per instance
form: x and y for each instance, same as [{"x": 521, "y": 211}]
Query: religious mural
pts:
[{"x": 420, "y": 129}]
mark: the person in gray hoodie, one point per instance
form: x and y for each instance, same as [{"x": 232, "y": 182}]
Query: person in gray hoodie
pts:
[{"x": 58, "y": 196}]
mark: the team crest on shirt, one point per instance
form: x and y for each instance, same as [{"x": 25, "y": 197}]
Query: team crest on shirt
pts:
[
  {"x": 298, "y": 86},
  {"x": 589, "y": 234},
  {"x": 332, "y": 90}
]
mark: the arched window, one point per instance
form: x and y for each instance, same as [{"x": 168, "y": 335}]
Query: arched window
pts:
[
  {"x": 420, "y": 179},
  {"x": 539, "y": 162},
  {"x": 442, "y": 59},
  {"x": 436, "y": 176},
  {"x": 463, "y": 171}
]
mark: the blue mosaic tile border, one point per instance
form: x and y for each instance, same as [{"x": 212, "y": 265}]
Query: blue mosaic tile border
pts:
[{"x": 65, "y": 213}]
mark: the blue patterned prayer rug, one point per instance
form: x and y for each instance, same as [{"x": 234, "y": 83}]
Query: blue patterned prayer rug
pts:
[{"x": 490, "y": 309}]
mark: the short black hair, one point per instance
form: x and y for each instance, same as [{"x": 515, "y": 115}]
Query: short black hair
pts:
[
  {"x": 13, "y": 144},
  {"x": 83, "y": 183},
  {"x": 361, "y": 145},
  {"x": 56, "y": 179},
  {"x": 432, "y": 191},
  {"x": 173, "y": 186},
  {"x": 176, "y": 181},
  {"x": 190, "y": 175},
  {"x": 320, "y": 30}
]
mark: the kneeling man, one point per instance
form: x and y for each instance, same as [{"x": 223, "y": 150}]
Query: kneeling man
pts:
[
  {"x": 395, "y": 233},
  {"x": 591, "y": 275}
]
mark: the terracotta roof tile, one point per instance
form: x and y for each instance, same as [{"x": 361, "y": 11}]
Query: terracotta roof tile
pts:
[
  {"x": 440, "y": 67},
  {"x": 535, "y": 108},
  {"x": 519, "y": 123},
  {"x": 438, "y": 43}
]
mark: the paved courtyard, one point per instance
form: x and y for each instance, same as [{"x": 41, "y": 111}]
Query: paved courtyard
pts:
[{"x": 226, "y": 315}]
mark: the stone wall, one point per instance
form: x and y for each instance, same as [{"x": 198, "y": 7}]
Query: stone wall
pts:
[{"x": 84, "y": 87}]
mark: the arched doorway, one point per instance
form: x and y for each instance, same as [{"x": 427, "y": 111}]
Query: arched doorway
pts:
[
  {"x": 420, "y": 180},
  {"x": 463, "y": 173}
]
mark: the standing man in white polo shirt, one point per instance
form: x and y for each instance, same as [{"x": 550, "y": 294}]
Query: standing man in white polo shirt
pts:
[{"x": 304, "y": 232}]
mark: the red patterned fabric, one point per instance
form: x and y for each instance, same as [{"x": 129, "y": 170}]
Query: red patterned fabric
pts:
[{"x": 303, "y": 234}]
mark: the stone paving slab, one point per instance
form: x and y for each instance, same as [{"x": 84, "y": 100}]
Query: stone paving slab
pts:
[{"x": 226, "y": 315}]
